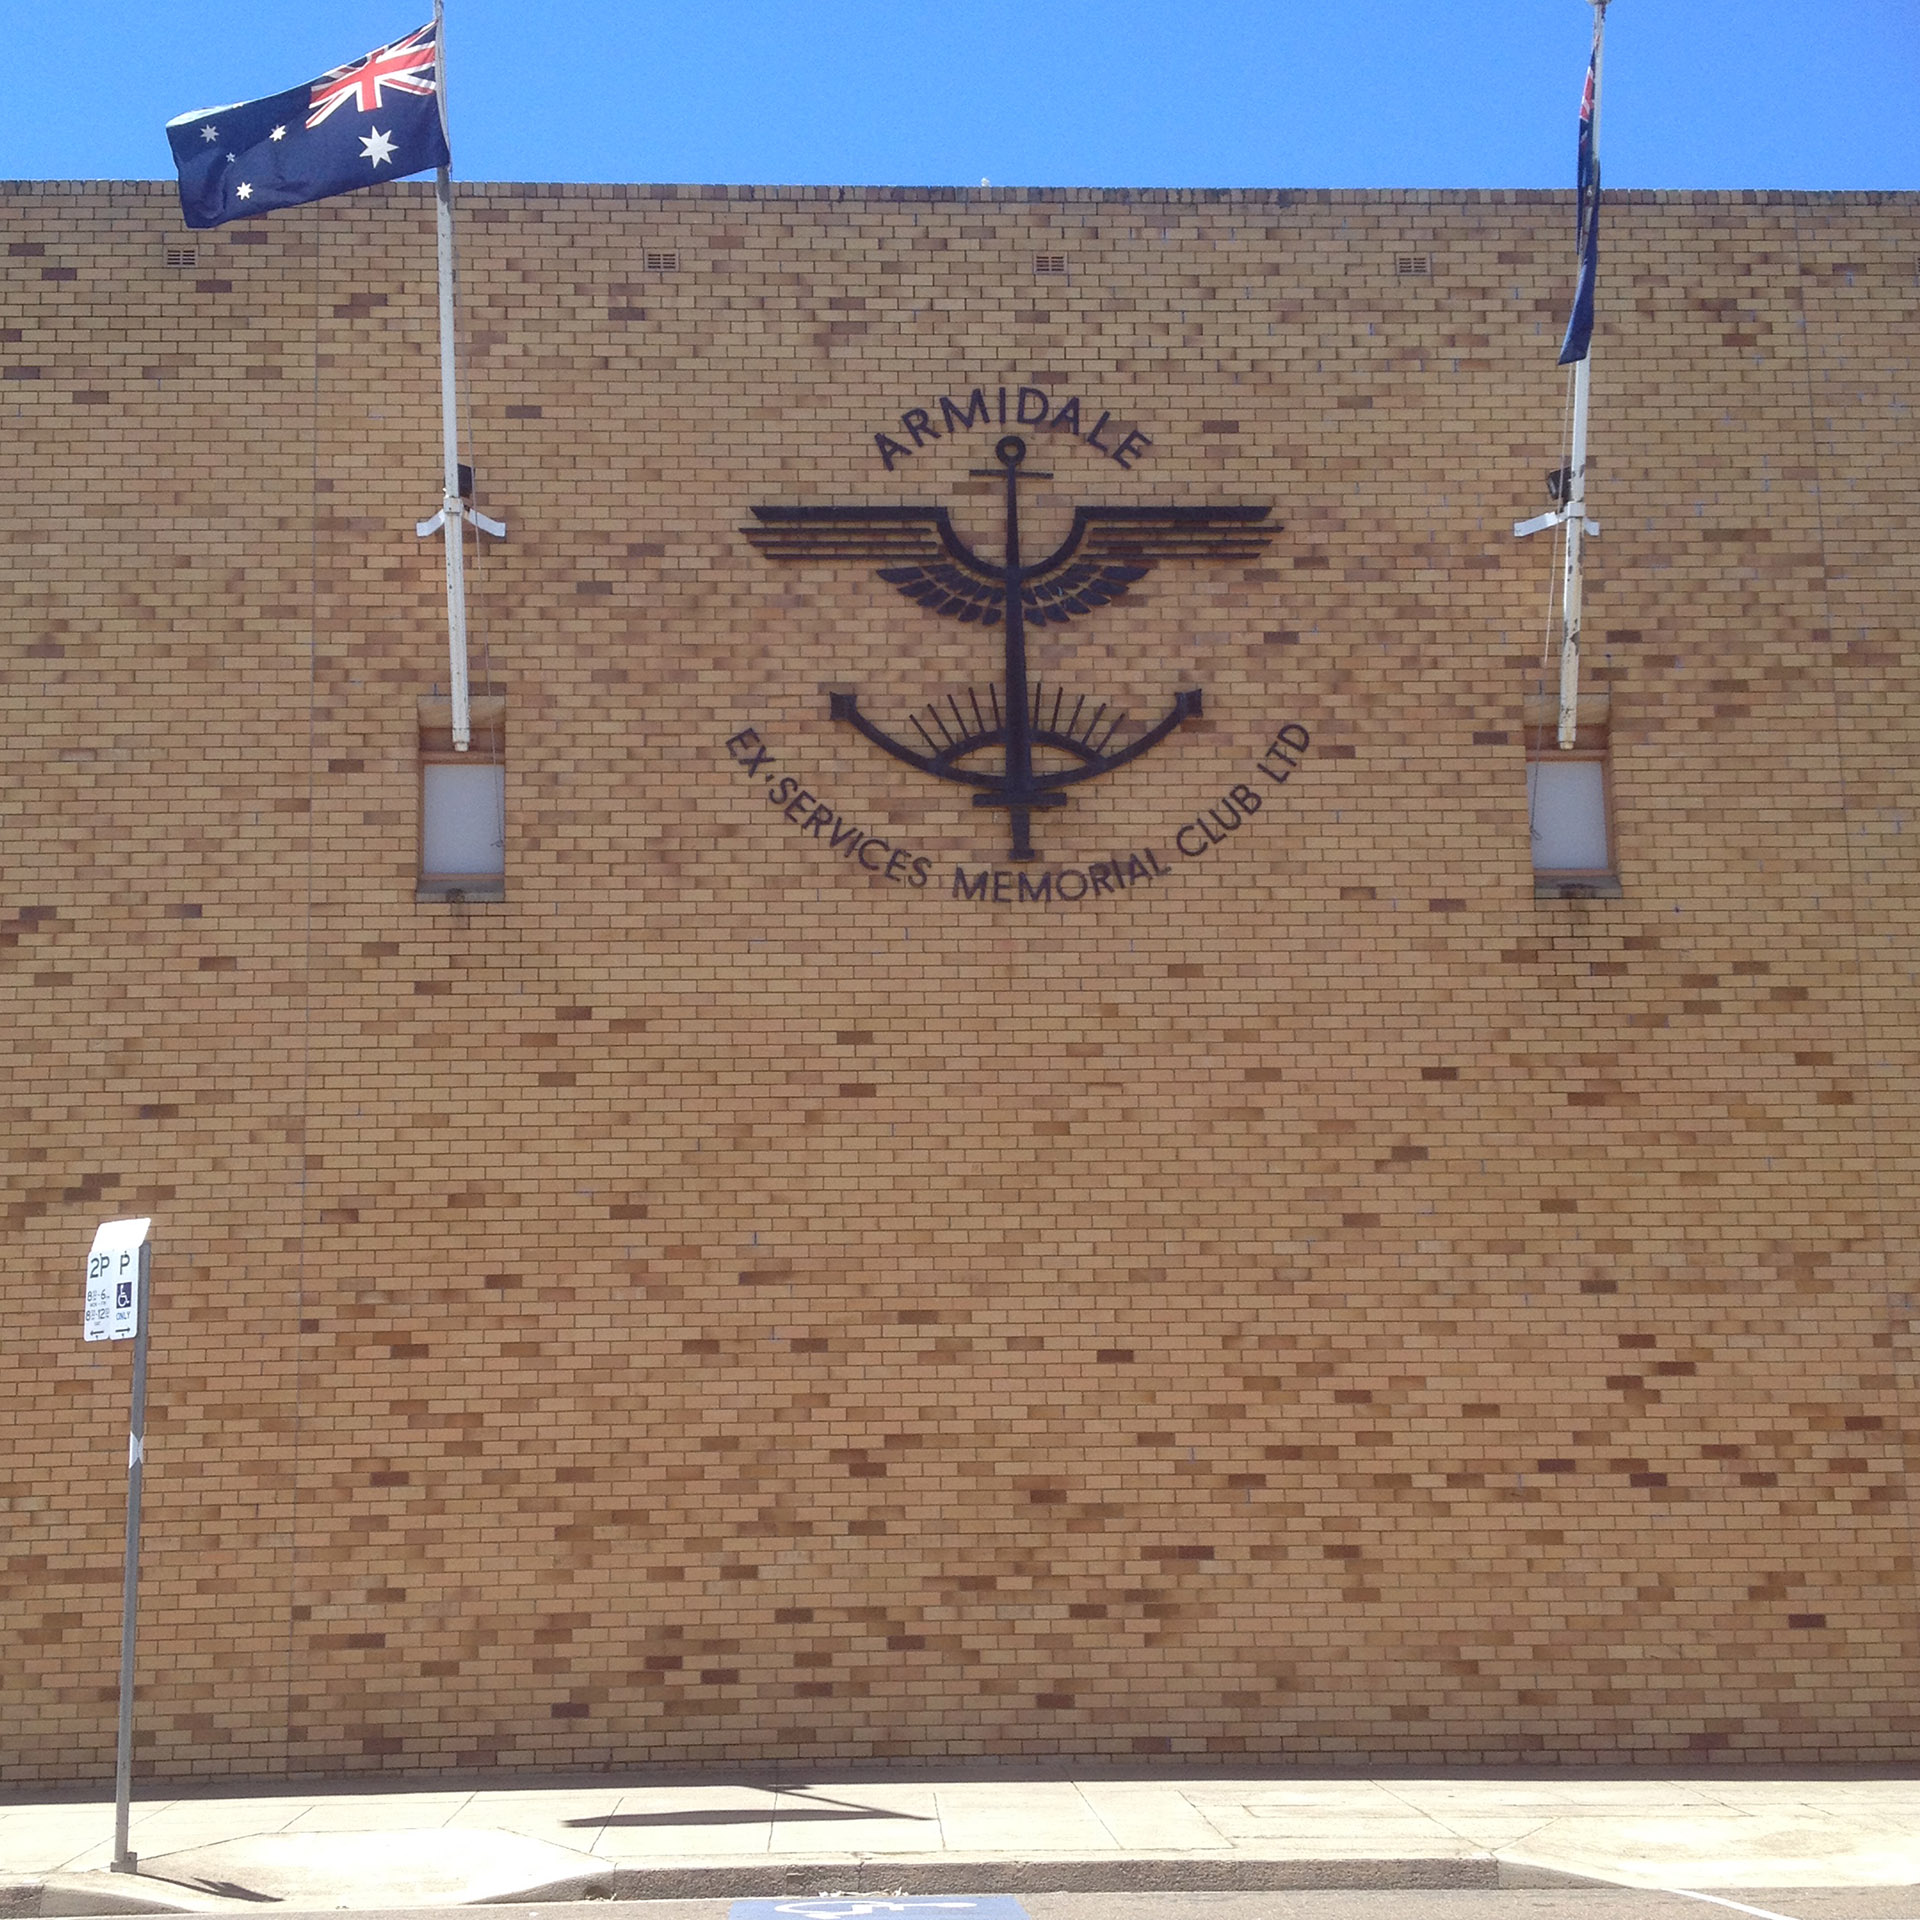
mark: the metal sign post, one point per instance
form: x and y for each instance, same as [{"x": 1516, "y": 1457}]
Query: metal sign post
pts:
[{"x": 119, "y": 1307}]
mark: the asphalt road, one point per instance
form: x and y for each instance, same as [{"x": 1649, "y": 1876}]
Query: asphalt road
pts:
[{"x": 1569, "y": 1903}]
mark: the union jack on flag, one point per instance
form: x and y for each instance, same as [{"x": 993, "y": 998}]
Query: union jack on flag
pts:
[
  {"x": 298, "y": 146},
  {"x": 407, "y": 66}
]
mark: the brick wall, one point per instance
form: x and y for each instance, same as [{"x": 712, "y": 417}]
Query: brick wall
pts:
[{"x": 1304, "y": 1298}]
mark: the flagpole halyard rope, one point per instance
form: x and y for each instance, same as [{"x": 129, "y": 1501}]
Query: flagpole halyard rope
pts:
[
  {"x": 1559, "y": 545},
  {"x": 1573, "y": 583},
  {"x": 477, "y": 629},
  {"x": 1569, "y": 517},
  {"x": 451, "y": 521}
]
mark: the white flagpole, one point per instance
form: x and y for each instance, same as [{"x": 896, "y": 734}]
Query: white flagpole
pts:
[
  {"x": 453, "y": 521},
  {"x": 1575, "y": 504},
  {"x": 1571, "y": 581}
]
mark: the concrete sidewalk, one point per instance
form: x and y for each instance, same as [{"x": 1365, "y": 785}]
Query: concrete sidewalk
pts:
[{"x": 641, "y": 1835}]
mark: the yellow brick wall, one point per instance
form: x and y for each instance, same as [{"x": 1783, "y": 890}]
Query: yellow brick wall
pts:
[{"x": 1318, "y": 1303}]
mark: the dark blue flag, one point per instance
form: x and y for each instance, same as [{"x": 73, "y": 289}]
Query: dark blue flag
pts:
[
  {"x": 374, "y": 119},
  {"x": 1580, "y": 324}
]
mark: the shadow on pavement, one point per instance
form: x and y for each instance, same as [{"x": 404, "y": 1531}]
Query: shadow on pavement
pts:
[
  {"x": 745, "y": 1816},
  {"x": 227, "y": 1889},
  {"x": 739, "y": 1817}
]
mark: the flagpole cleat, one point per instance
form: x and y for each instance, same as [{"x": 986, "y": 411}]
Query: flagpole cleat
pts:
[
  {"x": 1541, "y": 522},
  {"x": 473, "y": 518}
]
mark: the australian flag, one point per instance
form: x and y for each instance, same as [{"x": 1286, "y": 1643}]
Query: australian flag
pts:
[
  {"x": 374, "y": 119},
  {"x": 1580, "y": 324}
]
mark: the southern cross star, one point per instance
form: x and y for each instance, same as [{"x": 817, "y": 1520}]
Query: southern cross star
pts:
[
  {"x": 243, "y": 191},
  {"x": 209, "y": 133},
  {"x": 279, "y": 133},
  {"x": 377, "y": 146}
]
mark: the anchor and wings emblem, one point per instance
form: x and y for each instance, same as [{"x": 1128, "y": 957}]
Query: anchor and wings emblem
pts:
[{"x": 1106, "y": 551}]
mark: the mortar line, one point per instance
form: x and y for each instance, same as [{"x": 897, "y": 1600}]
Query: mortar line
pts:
[
  {"x": 306, "y": 996},
  {"x": 1896, "y": 1319}
]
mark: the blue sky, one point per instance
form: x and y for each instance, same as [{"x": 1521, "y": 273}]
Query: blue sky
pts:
[{"x": 1354, "y": 93}]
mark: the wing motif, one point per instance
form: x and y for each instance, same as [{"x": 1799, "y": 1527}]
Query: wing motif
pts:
[
  {"x": 944, "y": 586},
  {"x": 1108, "y": 549},
  {"x": 932, "y": 565},
  {"x": 852, "y": 533},
  {"x": 1077, "y": 587},
  {"x": 1140, "y": 536}
]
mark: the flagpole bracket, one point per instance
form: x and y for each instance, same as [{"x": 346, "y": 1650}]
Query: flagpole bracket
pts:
[
  {"x": 473, "y": 518},
  {"x": 1541, "y": 522}
]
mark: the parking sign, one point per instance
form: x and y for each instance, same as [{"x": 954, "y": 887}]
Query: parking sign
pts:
[{"x": 113, "y": 1277}]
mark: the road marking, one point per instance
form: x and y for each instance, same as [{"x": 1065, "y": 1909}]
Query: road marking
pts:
[
  {"x": 1679, "y": 1893},
  {"x": 1654, "y": 1886},
  {"x": 1714, "y": 1899}
]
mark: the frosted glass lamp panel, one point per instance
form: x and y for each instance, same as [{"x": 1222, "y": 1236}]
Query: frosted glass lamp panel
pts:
[
  {"x": 462, "y": 829},
  {"x": 1567, "y": 804}
]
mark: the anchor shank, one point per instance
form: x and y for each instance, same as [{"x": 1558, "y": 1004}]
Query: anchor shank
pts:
[
  {"x": 1018, "y": 772},
  {"x": 1018, "y": 788}
]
